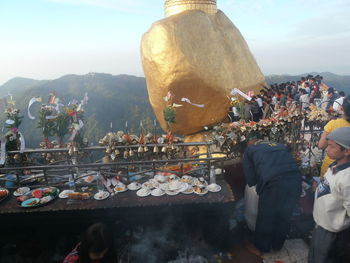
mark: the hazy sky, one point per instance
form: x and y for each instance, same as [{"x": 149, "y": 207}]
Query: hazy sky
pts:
[{"x": 45, "y": 39}]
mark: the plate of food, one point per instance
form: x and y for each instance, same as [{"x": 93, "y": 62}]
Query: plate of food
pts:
[
  {"x": 21, "y": 191},
  {"x": 200, "y": 189},
  {"x": 79, "y": 195},
  {"x": 65, "y": 193},
  {"x": 101, "y": 195},
  {"x": 173, "y": 177},
  {"x": 150, "y": 184},
  {"x": 40, "y": 196},
  {"x": 87, "y": 177},
  {"x": 200, "y": 181},
  {"x": 187, "y": 179},
  {"x": 31, "y": 202},
  {"x": 134, "y": 186},
  {"x": 120, "y": 187},
  {"x": 3, "y": 193}
]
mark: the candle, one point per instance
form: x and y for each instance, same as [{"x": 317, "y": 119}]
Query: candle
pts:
[
  {"x": 126, "y": 124},
  {"x": 111, "y": 125}
]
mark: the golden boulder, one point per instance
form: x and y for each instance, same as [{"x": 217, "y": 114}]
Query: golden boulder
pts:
[{"x": 199, "y": 57}]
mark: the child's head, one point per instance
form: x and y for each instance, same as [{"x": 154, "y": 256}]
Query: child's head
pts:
[
  {"x": 339, "y": 144},
  {"x": 96, "y": 242}
]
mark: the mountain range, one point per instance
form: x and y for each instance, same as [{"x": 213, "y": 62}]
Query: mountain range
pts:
[{"x": 112, "y": 100}]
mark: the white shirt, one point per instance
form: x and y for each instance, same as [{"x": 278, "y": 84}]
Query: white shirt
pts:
[
  {"x": 259, "y": 101},
  {"x": 304, "y": 100},
  {"x": 274, "y": 100},
  {"x": 235, "y": 111},
  {"x": 332, "y": 200}
]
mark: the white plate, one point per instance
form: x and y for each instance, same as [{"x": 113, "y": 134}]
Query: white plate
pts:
[
  {"x": 214, "y": 188},
  {"x": 187, "y": 179},
  {"x": 21, "y": 191},
  {"x": 176, "y": 185},
  {"x": 134, "y": 186},
  {"x": 160, "y": 178},
  {"x": 154, "y": 182},
  {"x": 157, "y": 192},
  {"x": 188, "y": 191},
  {"x": 120, "y": 189},
  {"x": 201, "y": 193},
  {"x": 46, "y": 199},
  {"x": 169, "y": 192},
  {"x": 173, "y": 177},
  {"x": 200, "y": 181},
  {"x": 89, "y": 177},
  {"x": 184, "y": 187},
  {"x": 143, "y": 192},
  {"x": 101, "y": 195},
  {"x": 164, "y": 186},
  {"x": 64, "y": 193}
]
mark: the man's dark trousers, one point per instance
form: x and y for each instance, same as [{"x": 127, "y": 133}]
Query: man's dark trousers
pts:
[{"x": 277, "y": 201}]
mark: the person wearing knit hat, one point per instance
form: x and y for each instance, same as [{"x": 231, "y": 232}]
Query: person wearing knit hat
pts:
[
  {"x": 341, "y": 136},
  {"x": 332, "y": 203}
]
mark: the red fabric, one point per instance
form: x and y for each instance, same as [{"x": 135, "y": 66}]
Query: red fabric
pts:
[{"x": 72, "y": 257}]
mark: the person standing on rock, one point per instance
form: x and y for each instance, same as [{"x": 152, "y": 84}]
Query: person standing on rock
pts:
[{"x": 272, "y": 170}]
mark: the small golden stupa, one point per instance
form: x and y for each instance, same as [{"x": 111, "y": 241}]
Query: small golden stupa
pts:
[{"x": 173, "y": 7}]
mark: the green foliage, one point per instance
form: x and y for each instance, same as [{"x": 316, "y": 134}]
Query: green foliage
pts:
[
  {"x": 46, "y": 125},
  {"x": 61, "y": 127},
  {"x": 169, "y": 114}
]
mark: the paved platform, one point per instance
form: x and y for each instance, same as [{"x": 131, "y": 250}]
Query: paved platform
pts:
[{"x": 293, "y": 251}]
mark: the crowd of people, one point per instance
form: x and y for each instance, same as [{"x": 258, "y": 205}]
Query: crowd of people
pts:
[
  {"x": 307, "y": 90},
  {"x": 273, "y": 176}
]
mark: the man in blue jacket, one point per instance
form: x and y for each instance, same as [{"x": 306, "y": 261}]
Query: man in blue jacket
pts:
[{"x": 271, "y": 168}]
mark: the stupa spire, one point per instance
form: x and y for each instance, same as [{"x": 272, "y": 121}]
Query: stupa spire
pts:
[{"x": 173, "y": 7}]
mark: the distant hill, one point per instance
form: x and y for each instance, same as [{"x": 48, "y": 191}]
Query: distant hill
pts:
[
  {"x": 18, "y": 84},
  {"x": 115, "y": 99},
  {"x": 339, "y": 82}
]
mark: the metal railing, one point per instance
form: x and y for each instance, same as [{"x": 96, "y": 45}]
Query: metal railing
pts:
[{"x": 129, "y": 170}]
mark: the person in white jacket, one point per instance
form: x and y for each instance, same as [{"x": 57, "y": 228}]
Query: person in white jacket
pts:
[
  {"x": 338, "y": 103},
  {"x": 332, "y": 203}
]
